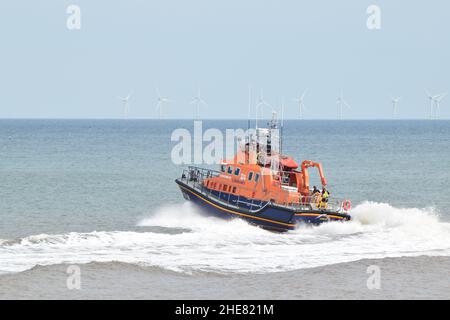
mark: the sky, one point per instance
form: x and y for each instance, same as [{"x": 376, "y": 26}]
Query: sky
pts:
[{"x": 222, "y": 47}]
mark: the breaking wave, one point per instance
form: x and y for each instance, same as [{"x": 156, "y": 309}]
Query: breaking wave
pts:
[{"x": 378, "y": 230}]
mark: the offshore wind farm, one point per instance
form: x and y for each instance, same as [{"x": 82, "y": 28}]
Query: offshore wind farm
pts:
[{"x": 431, "y": 111}]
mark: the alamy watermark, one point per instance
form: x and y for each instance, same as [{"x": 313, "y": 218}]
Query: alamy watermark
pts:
[
  {"x": 73, "y": 281},
  {"x": 374, "y": 19},
  {"x": 73, "y": 21},
  {"x": 374, "y": 280},
  {"x": 191, "y": 149}
]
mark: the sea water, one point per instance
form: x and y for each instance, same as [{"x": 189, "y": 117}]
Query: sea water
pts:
[{"x": 101, "y": 194}]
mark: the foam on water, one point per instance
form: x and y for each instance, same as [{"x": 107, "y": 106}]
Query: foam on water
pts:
[{"x": 378, "y": 230}]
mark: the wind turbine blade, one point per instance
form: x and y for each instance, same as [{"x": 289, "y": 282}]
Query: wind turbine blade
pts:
[
  {"x": 303, "y": 95},
  {"x": 440, "y": 97},
  {"x": 428, "y": 93}
]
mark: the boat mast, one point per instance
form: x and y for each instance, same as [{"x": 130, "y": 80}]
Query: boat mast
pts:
[
  {"x": 248, "y": 113},
  {"x": 281, "y": 129}
]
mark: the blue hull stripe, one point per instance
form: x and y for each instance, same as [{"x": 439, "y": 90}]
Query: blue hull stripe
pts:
[{"x": 218, "y": 206}]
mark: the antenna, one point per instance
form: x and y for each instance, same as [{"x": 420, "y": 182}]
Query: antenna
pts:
[
  {"x": 249, "y": 108},
  {"x": 261, "y": 103},
  {"x": 281, "y": 127}
]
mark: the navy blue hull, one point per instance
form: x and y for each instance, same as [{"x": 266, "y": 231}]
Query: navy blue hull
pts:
[{"x": 269, "y": 216}]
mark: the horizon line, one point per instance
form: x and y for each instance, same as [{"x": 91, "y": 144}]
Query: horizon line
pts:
[{"x": 239, "y": 119}]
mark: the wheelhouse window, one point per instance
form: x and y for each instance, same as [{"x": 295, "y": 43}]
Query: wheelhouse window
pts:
[
  {"x": 237, "y": 171},
  {"x": 250, "y": 176},
  {"x": 230, "y": 170},
  {"x": 256, "y": 177},
  {"x": 223, "y": 168}
]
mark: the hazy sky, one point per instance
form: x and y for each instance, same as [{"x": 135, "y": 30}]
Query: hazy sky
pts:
[{"x": 284, "y": 47}]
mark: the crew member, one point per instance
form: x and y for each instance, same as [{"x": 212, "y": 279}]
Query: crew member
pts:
[
  {"x": 315, "y": 195},
  {"x": 324, "y": 201},
  {"x": 315, "y": 190}
]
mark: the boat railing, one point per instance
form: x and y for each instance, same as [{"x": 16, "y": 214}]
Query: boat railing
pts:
[
  {"x": 314, "y": 203},
  {"x": 194, "y": 177}
]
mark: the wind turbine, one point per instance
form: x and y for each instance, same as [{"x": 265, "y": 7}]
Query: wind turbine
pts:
[
  {"x": 434, "y": 100},
  {"x": 341, "y": 104},
  {"x": 161, "y": 101},
  {"x": 261, "y": 103},
  {"x": 126, "y": 104},
  {"x": 198, "y": 101},
  {"x": 437, "y": 101},
  {"x": 394, "y": 106},
  {"x": 301, "y": 105}
]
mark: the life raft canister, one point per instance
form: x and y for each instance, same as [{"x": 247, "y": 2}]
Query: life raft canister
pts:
[{"x": 346, "y": 205}]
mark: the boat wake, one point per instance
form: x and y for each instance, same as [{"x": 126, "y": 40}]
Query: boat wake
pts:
[{"x": 378, "y": 230}]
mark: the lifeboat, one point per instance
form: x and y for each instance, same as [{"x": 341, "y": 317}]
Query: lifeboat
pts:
[{"x": 263, "y": 187}]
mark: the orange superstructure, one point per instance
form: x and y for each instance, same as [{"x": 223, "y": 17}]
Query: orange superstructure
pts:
[{"x": 258, "y": 181}]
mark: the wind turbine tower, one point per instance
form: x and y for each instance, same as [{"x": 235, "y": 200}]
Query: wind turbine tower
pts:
[
  {"x": 341, "y": 104},
  {"x": 126, "y": 105},
  {"x": 435, "y": 102},
  {"x": 394, "y": 106},
  {"x": 301, "y": 105},
  {"x": 160, "y": 104},
  {"x": 198, "y": 102}
]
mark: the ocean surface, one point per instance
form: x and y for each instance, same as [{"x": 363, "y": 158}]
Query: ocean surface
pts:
[{"x": 100, "y": 194}]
